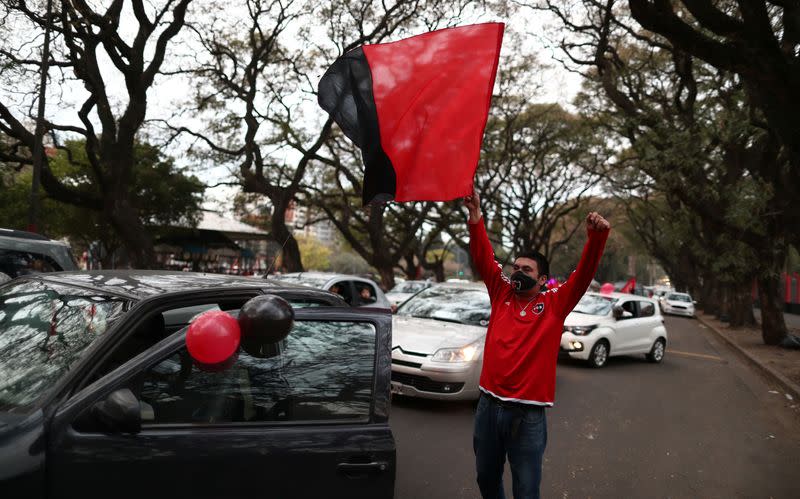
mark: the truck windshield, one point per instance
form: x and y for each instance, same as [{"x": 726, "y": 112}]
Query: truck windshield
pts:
[{"x": 44, "y": 330}]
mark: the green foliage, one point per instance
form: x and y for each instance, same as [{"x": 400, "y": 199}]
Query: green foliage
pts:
[
  {"x": 163, "y": 194},
  {"x": 316, "y": 256}
]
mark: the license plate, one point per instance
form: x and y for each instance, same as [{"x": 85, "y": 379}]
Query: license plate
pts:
[{"x": 397, "y": 388}]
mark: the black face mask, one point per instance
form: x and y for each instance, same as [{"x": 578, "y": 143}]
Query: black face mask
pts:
[{"x": 522, "y": 282}]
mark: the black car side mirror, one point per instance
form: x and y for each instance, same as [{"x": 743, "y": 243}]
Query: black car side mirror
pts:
[
  {"x": 120, "y": 412},
  {"x": 617, "y": 312}
]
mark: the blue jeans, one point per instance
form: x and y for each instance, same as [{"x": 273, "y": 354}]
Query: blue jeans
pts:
[{"x": 518, "y": 431}]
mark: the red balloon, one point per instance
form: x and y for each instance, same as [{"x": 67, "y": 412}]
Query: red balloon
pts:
[
  {"x": 213, "y": 337},
  {"x": 607, "y": 288}
]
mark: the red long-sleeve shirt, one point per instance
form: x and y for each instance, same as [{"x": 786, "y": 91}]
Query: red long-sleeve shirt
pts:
[{"x": 519, "y": 358}]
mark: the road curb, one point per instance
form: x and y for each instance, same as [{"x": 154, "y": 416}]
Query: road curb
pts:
[{"x": 790, "y": 387}]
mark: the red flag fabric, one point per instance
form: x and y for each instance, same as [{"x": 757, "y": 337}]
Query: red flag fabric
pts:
[
  {"x": 417, "y": 108},
  {"x": 629, "y": 286}
]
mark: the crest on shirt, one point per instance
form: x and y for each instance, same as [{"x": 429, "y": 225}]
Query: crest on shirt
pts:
[{"x": 538, "y": 308}]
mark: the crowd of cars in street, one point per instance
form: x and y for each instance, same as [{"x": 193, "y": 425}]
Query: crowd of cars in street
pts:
[{"x": 96, "y": 382}]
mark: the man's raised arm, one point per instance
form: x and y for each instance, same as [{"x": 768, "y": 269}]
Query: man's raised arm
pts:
[
  {"x": 570, "y": 292},
  {"x": 481, "y": 249}
]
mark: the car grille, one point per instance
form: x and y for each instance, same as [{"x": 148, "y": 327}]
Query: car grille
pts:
[
  {"x": 416, "y": 354},
  {"x": 406, "y": 363},
  {"x": 425, "y": 384},
  {"x": 679, "y": 306}
]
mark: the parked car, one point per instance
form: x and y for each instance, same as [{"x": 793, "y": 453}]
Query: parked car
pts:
[
  {"x": 405, "y": 290},
  {"x": 98, "y": 394},
  {"x": 678, "y": 304},
  {"x": 605, "y": 325},
  {"x": 661, "y": 291},
  {"x": 437, "y": 342},
  {"x": 24, "y": 253},
  {"x": 355, "y": 291}
]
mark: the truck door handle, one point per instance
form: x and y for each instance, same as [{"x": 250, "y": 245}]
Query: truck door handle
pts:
[{"x": 362, "y": 468}]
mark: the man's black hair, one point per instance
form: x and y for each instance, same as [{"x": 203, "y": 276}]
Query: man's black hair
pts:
[{"x": 540, "y": 259}]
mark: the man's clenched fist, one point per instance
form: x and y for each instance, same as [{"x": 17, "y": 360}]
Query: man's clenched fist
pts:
[{"x": 595, "y": 222}]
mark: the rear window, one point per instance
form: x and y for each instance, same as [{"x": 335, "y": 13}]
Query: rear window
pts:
[
  {"x": 44, "y": 330},
  {"x": 17, "y": 263}
]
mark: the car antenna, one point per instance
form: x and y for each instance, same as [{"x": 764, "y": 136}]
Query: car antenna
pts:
[{"x": 276, "y": 256}]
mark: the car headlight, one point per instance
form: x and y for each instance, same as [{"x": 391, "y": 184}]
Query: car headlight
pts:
[
  {"x": 579, "y": 330},
  {"x": 462, "y": 354}
]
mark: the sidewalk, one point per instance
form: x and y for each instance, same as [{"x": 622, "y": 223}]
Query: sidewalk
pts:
[
  {"x": 792, "y": 320},
  {"x": 779, "y": 364}
]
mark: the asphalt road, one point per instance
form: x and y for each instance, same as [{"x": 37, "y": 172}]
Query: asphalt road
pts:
[{"x": 703, "y": 424}]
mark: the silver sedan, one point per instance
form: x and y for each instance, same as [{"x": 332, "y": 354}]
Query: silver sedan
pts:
[{"x": 437, "y": 342}]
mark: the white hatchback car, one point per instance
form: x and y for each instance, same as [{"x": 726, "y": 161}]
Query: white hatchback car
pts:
[
  {"x": 605, "y": 325},
  {"x": 677, "y": 304},
  {"x": 437, "y": 342}
]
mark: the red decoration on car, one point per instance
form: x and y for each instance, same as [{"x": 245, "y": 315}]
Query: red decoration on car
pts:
[{"x": 213, "y": 337}]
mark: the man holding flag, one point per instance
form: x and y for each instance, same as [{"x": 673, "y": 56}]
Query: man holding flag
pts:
[
  {"x": 519, "y": 360},
  {"x": 417, "y": 108}
]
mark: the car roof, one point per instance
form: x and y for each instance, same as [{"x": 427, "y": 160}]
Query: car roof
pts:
[
  {"x": 145, "y": 283},
  {"x": 326, "y": 275},
  {"x": 29, "y": 236},
  {"x": 22, "y": 234}
]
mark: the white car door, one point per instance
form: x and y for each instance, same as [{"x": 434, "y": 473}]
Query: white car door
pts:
[
  {"x": 647, "y": 321},
  {"x": 627, "y": 328}
]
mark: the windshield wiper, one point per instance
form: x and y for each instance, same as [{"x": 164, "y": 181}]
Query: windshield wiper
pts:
[{"x": 456, "y": 321}]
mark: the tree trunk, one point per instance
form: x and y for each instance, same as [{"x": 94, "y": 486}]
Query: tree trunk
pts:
[
  {"x": 724, "y": 311},
  {"x": 136, "y": 241},
  {"x": 410, "y": 268},
  {"x": 709, "y": 297},
  {"x": 290, "y": 255},
  {"x": 387, "y": 276},
  {"x": 108, "y": 260},
  {"x": 773, "y": 324},
  {"x": 438, "y": 270},
  {"x": 741, "y": 307}
]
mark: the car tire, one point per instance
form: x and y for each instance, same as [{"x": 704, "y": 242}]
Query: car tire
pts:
[
  {"x": 599, "y": 354},
  {"x": 657, "y": 352}
]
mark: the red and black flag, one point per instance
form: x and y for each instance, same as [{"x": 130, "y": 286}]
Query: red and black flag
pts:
[{"x": 417, "y": 109}]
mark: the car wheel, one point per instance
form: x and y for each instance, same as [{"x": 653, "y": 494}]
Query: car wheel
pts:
[
  {"x": 656, "y": 354},
  {"x": 599, "y": 355}
]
